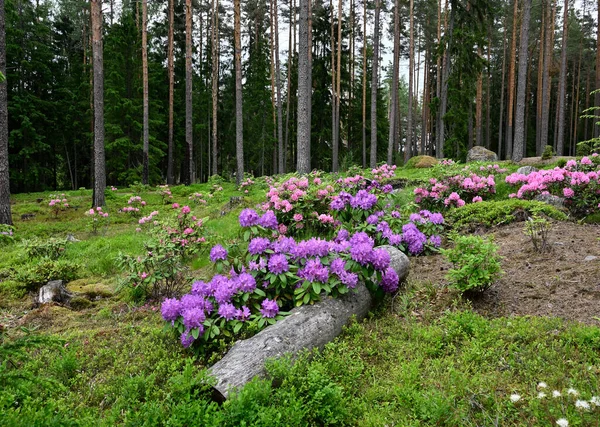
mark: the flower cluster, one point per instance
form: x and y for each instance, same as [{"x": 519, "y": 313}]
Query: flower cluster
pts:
[
  {"x": 165, "y": 194},
  {"x": 447, "y": 162},
  {"x": 246, "y": 184},
  {"x": 97, "y": 217},
  {"x": 198, "y": 199},
  {"x": 149, "y": 218},
  {"x": 455, "y": 190},
  {"x": 135, "y": 204},
  {"x": 384, "y": 172},
  {"x": 58, "y": 203},
  {"x": 579, "y": 185},
  {"x": 495, "y": 169},
  {"x": 113, "y": 188}
]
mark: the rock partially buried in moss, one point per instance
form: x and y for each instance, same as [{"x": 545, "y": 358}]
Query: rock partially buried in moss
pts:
[
  {"x": 481, "y": 154},
  {"x": 422, "y": 162}
]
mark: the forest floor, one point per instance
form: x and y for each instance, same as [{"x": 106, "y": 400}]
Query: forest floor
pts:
[{"x": 563, "y": 281}]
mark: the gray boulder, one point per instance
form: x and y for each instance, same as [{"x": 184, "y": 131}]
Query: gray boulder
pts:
[
  {"x": 481, "y": 154},
  {"x": 526, "y": 170},
  {"x": 54, "y": 291},
  {"x": 558, "y": 202}
]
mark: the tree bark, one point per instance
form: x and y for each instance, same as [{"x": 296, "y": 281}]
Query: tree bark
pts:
[
  {"x": 411, "y": 66},
  {"x": 304, "y": 89},
  {"x": 307, "y": 327},
  {"x": 540, "y": 86},
  {"x": 479, "y": 107},
  {"x": 291, "y": 48},
  {"x": 188, "y": 92},
  {"x": 171, "y": 71},
  {"x": 374, "y": 84},
  {"x": 444, "y": 90},
  {"x": 215, "y": 83},
  {"x": 5, "y": 211},
  {"x": 334, "y": 137},
  {"x": 281, "y": 152},
  {"x": 338, "y": 93},
  {"x": 562, "y": 86},
  {"x": 425, "y": 104},
  {"x": 394, "y": 89},
  {"x": 488, "y": 136},
  {"x": 597, "y": 94},
  {"x": 99, "y": 160},
  {"x": 239, "y": 117},
  {"x": 146, "y": 130},
  {"x": 546, "y": 79},
  {"x": 501, "y": 121},
  {"x": 364, "y": 87},
  {"x": 519, "y": 140},
  {"x": 511, "y": 83}
]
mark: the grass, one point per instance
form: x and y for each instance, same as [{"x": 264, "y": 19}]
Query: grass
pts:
[{"x": 413, "y": 362}]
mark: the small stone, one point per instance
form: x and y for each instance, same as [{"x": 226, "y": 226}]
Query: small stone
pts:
[
  {"x": 590, "y": 258},
  {"x": 481, "y": 154},
  {"x": 54, "y": 291}
]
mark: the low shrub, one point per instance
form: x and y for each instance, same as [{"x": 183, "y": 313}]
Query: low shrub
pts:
[
  {"x": 476, "y": 264},
  {"x": 34, "y": 276},
  {"x": 548, "y": 152},
  {"x": 52, "y": 248},
  {"x": 537, "y": 229},
  {"x": 7, "y": 233},
  {"x": 491, "y": 213}
]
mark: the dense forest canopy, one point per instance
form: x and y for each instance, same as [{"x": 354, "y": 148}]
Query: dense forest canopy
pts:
[{"x": 460, "y": 84}]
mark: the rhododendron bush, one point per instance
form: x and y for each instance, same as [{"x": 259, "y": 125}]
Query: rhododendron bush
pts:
[
  {"x": 455, "y": 191},
  {"x": 578, "y": 182}
]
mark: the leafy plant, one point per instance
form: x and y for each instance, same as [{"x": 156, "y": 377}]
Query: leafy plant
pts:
[
  {"x": 6, "y": 234},
  {"x": 475, "y": 261},
  {"x": 52, "y": 248},
  {"x": 537, "y": 229},
  {"x": 548, "y": 152},
  {"x": 34, "y": 276}
]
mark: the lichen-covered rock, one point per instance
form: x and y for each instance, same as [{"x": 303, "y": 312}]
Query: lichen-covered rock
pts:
[
  {"x": 422, "y": 162},
  {"x": 558, "y": 202},
  {"x": 526, "y": 170},
  {"x": 481, "y": 154},
  {"x": 54, "y": 291}
]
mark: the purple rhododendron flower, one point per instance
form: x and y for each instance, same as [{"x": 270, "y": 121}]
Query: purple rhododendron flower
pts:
[
  {"x": 337, "y": 204},
  {"x": 193, "y": 317},
  {"x": 278, "y": 264},
  {"x": 246, "y": 282},
  {"x": 389, "y": 280},
  {"x": 435, "y": 240},
  {"x": 314, "y": 271},
  {"x": 387, "y": 188},
  {"x": 217, "y": 253},
  {"x": 361, "y": 237},
  {"x": 227, "y": 311},
  {"x": 269, "y": 220},
  {"x": 338, "y": 266},
  {"x": 395, "y": 239},
  {"x": 248, "y": 218},
  {"x": 201, "y": 288},
  {"x": 224, "y": 289},
  {"x": 269, "y": 308},
  {"x": 414, "y": 238},
  {"x": 361, "y": 253},
  {"x": 170, "y": 309},
  {"x": 436, "y": 218},
  {"x": 187, "y": 339},
  {"x": 342, "y": 235},
  {"x": 363, "y": 200},
  {"x": 243, "y": 313},
  {"x": 349, "y": 279},
  {"x": 284, "y": 244},
  {"x": 380, "y": 259},
  {"x": 258, "y": 245},
  {"x": 372, "y": 219},
  {"x": 192, "y": 301}
]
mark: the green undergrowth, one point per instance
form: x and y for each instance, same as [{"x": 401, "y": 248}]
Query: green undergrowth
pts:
[{"x": 491, "y": 213}]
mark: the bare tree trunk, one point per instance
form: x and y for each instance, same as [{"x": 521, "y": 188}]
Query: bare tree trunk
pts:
[
  {"x": 394, "y": 88},
  {"x": 304, "y": 89},
  {"x": 99, "y": 161},
  {"x": 272, "y": 69},
  {"x": 170, "y": 66},
  {"x": 338, "y": 92},
  {"x": 188, "y": 91},
  {"x": 562, "y": 86},
  {"x": 425, "y": 104},
  {"x": 5, "y": 212},
  {"x": 586, "y": 105},
  {"x": 350, "y": 120},
  {"x": 540, "y": 86},
  {"x": 444, "y": 89},
  {"x": 239, "y": 117},
  {"x": 501, "y": 121},
  {"x": 411, "y": 66},
  {"x": 546, "y": 80},
  {"x": 374, "y": 84},
  {"x": 146, "y": 131},
  {"x": 488, "y": 137},
  {"x": 281, "y": 167},
  {"x": 334, "y": 138},
  {"x": 479, "y": 106},
  {"x": 364, "y": 87},
  {"x": 291, "y": 48},
  {"x": 597, "y": 94},
  {"x": 519, "y": 141},
  {"x": 215, "y": 83},
  {"x": 511, "y": 83},
  {"x": 575, "y": 104}
]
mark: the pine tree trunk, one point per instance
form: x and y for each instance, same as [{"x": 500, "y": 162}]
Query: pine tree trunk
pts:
[
  {"x": 394, "y": 88},
  {"x": 597, "y": 94},
  {"x": 350, "y": 118},
  {"x": 171, "y": 71},
  {"x": 364, "y": 88},
  {"x": 488, "y": 136},
  {"x": 444, "y": 90},
  {"x": 576, "y": 114},
  {"x": 99, "y": 160},
  {"x": 338, "y": 93},
  {"x": 479, "y": 107},
  {"x": 546, "y": 79},
  {"x": 215, "y": 83},
  {"x": 146, "y": 128},
  {"x": 511, "y": 84},
  {"x": 291, "y": 48},
  {"x": 188, "y": 92},
  {"x": 239, "y": 117},
  {"x": 411, "y": 66},
  {"x": 501, "y": 121},
  {"x": 272, "y": 69},
  {"x": 374, "y": 84},
  {"x": 5, "y": 211},
  {"x": 540, "y": 86},
  {"x": 586, "y": 105},
  {"x": 562, "y": 86},
  {"x": 519, "y": 140},
  {"x": 334, "y": 138},
  {"x": 304, "y": 90},
  {"x": 280, "y": 150}
]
